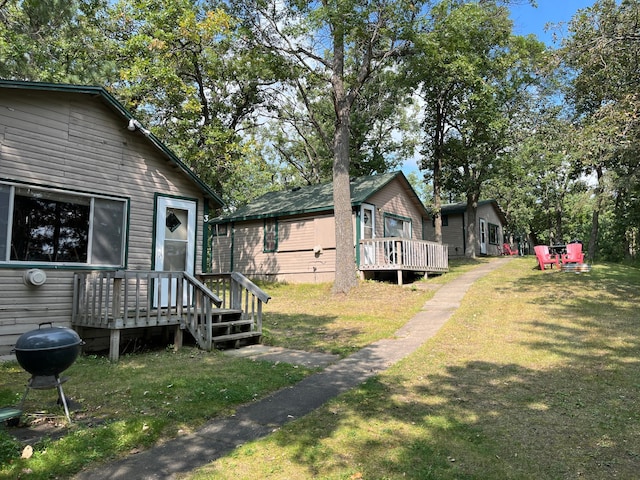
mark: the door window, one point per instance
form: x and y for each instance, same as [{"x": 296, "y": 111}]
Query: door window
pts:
[{"x": 176, "y": 239}]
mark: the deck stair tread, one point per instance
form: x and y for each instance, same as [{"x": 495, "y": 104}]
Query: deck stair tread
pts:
[
  {"x": 235, "y": 336},
  {"x": 233, "y": 323}
]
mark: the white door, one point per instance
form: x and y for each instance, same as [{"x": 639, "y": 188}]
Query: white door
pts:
[
  {"x": 368, "y": 232},
  {"x": 175, "y": 243},
  {"x": 483, "y": 236}
]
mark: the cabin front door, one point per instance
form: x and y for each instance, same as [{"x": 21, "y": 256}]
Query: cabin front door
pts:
[
  {"x": 483, "y": 236},
  {"x": 368, "y": 232},
  {"x": 175, "y": 243}
]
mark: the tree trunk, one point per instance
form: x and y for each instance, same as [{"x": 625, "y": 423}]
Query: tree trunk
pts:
[
  {"x": 472, "y": 228},
  {"x": 593, "y": 238},
  {"x": 437, "y": 201},
  {"x": 346, "y": 277},
  {"x": 437, "y": 169}
]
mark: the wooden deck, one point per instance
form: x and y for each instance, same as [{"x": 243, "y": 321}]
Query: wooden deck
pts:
[
  {"x": 214, "y": 309},
  {"x": 403, "y": 254}
]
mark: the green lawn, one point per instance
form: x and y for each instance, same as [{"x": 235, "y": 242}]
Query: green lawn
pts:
[
  {"x": 535, "y": 377},
  {"x": 147, "y": 398}
]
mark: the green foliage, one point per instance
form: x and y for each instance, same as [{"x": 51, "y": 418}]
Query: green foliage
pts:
[
  {"x": 474, "y": 77},
  {"x": 252, "y": 96},
  {"x": 190, "y": 71},
  {"x": 39, "y": 41},
  {"x": 601, "y": 56},
  {"x": 9, "y": 447}
]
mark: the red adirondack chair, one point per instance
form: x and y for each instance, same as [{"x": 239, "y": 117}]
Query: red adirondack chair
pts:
[
  {"x": 574, "y": 254},
  {"x": 545, "y": 257},
  {"x": 506, "y": 250}
]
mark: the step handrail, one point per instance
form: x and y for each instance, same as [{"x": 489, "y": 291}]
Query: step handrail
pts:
[
  {"x": 251, "y": 287},
  {"x": 203, "y": 288}
]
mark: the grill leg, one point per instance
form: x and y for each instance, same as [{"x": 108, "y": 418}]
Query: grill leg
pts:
[
  {"x": 24, "y": 397},
  {"x": 63, "y": 398}
]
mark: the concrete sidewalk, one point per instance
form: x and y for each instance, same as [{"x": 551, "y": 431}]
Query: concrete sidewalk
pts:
[{"x": 256, "y": 420}]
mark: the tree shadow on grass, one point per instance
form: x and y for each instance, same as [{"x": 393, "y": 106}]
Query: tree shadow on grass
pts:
[
  {"x": 482, "y": 420},
  {"x": 572, "y": 415}
]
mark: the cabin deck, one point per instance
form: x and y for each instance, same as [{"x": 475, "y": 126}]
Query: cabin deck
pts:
[
  {"x": 402, "y": 255},
  {"x": 220, "y": 309}
]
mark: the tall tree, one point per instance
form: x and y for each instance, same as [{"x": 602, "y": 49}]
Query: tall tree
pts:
[
  {"x": 190, "y": 72},
  {"x": 603, "y": 57},
  {"x": 474, "y": 76},
  {"x": 340, "y": 44}
]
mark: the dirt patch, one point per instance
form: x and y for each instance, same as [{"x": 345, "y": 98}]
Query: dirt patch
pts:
[{"x": 32, "y": 427}]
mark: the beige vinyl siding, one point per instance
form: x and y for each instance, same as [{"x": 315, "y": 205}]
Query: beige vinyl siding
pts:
[
  {"x": 221, "y": 252},
  {"x": 306, "y": 243},
  {"x": 295, "y": 259},
  {"x": 68, "y": 141},
  {"x": 23, "y": 308},
  {"x": 394, "y": 200}
]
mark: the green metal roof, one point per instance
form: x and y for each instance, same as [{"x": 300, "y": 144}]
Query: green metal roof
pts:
[
  {"x": 461, "y": 207},
  {"x": 315, "y": 198},
  {"x": 117, "y": 107}
]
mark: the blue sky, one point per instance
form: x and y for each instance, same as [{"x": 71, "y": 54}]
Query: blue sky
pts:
[{"x": 527, "y": 19}]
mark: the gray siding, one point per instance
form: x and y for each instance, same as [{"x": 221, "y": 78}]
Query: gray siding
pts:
[
  {"x": 454, "y": 233},
  {"x": 68, "y": 141}
]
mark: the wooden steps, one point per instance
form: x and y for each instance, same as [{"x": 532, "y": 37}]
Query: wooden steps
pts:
[
  {"x": 235, "y": 340},
  {"x": 219, "y": 309},
  {"x": 228, "y": 329}
]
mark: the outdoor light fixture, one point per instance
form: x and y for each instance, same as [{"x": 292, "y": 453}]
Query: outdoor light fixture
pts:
[{"x": 134, "y": 125}]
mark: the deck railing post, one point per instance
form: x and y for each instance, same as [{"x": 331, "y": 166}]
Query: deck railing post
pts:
[{"x": 116, "y": 303}]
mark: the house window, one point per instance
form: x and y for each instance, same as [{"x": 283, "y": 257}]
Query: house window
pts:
[
  {"x": 397, "y": 226},
  {"x": 493, "y": 234},
  {"x": 270, "y": 235},
  {"x": 40, "y": 225}
]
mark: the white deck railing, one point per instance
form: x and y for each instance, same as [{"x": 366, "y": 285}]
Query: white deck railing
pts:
[{"x": 395, "y": 253}]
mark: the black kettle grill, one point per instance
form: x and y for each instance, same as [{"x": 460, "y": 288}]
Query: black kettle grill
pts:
[{"x": 45, "y": 353}]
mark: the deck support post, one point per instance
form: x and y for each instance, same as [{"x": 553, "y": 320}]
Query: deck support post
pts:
[
  {"x": 114, "y": 345},
  {"x": 399, "y": 277},
  {"x": 177, "y": 338}
]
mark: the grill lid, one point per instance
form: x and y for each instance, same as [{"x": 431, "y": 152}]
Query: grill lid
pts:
[{"x": 47, "y": 338}]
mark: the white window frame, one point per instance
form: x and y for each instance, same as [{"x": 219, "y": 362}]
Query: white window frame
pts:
[
  {"x": 407, "y": 225},
  {"x": 5, "y": 256}
]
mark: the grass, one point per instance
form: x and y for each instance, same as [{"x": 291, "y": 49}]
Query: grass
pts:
[
  {"x": 310, "y": 318},
  {"x": 148, "y": 398},
  {"x": 536, "y": 376},
  {"x": 131, "y": 405}
]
